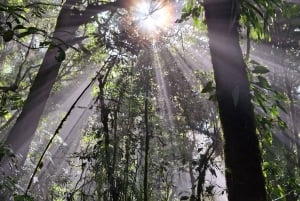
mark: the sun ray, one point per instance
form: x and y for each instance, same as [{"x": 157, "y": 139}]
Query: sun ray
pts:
[
  {"x": 152, "y": 17},
  {"x": 164, "y": 98}
]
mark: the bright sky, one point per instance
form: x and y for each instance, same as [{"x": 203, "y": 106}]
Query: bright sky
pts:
[{"x": 153, "y": 17}]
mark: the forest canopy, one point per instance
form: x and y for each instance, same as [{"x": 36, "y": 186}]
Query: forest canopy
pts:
[{"x": 145, "y": 100}]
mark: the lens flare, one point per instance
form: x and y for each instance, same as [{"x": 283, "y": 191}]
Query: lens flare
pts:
[{"x": 152, "y": 17}]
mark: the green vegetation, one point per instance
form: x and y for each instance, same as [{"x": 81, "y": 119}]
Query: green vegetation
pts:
[{"x": 189, "y": 100}]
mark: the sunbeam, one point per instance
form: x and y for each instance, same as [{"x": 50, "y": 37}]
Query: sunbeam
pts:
[
  {"x": 152, "y": 17},
  {"x": 164, "y": 98},
  {"x": 149, "y": 100}
]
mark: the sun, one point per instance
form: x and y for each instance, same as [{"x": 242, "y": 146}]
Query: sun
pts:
[{"x": 152, "y": 17}]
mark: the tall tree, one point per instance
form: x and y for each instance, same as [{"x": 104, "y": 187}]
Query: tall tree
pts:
[
  {"x": 68, "y": 21},
  {"x": 244, "y": 176}
]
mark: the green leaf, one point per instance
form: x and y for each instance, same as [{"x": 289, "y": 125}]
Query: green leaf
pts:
[
  {"x": 263, "y": 82},
  {"x": 262, "y": 104},
  {"x": 196, "y": 11},
  {"x": 17, "y": 16},
  {"x": 281, "y": 106},
  {"x": 269, "y": 137},
  {"x": 19, "y": 26},
  {"x": 32, "y": 30},
  {"x": 282, "y": 125},
  {"x": 8, "y": 35},
  {"x": 198, "y": 23},
  {"x": 280, "y": 190},
  {"x": 23, "y": 198},
  {"x": 274, "y": 111},
  {"x": 208, "y": 87},
  {"x": 260, "y": 70},
  {"x": 7, "y": 116},
  {"x": 3, "y": 111},
  {"x": 188, "y": 6},
  {"x": 23, "y": 34}
]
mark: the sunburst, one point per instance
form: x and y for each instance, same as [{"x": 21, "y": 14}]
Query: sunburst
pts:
[{"x": 152, "y": 17}]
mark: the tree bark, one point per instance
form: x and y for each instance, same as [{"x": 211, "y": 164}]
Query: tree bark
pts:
[
  {"x": 21, "y": 134},
  {"x": 244, "y": 176},
  {"x": 146, "y": 78},
  {"x": 68, "y": 21}
]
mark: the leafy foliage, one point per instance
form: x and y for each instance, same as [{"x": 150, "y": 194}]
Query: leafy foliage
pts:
[
  {"x": 180, "y": 106},
  {"x": 16, "y": 20}
]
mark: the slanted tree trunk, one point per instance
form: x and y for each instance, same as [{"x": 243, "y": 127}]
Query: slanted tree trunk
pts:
[
  {"x": 68, "y": 21},
  {"x": 21, "y": 134},
  {"x": 244, "y": 176}
]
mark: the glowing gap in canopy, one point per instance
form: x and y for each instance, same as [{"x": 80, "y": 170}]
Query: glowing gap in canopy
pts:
[{"x": 152, "y": 17}]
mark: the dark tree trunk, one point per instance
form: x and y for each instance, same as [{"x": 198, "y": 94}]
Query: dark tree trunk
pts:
[
  {"x": 146, "y": 79},
  {"x": 108, "y": 162},
  {"x": 244, "y": 176},
  {"x": 21, "y": 134},
  {"x": 68, "y": 21}
]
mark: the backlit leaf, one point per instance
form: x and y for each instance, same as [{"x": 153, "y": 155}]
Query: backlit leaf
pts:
[{"x": 260, "y": 70}]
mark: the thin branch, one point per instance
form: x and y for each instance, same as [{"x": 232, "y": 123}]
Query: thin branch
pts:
[
  {"x": 58, "y": 129},
  {"x": 17, "y": 81},
  {"x": 29, "y": 47}
]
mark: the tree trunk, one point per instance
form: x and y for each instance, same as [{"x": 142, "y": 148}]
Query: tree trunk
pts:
[
  {"x": 21, "y": 134},
  {"x": 244, "y": 176},
  {"x": 146, "y": 75},
  {"x": 68, "y": 21}
]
